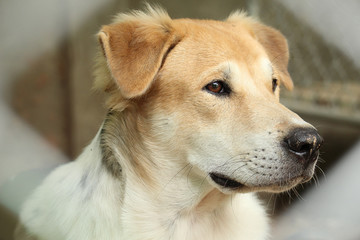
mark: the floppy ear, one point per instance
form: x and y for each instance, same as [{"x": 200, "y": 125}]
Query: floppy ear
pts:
[
  {"x": 134, "y": 52},
  {"x": 276, "y": 47}
]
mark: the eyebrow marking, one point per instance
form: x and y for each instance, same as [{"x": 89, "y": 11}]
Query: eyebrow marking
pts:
[
  {"x": 268, "y": 66},
  {"x": 271, "y": 69},
  {"x": 227, "y": 72}
]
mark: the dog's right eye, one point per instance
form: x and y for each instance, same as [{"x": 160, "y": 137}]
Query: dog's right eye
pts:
[{"x": 218, "y": 87}]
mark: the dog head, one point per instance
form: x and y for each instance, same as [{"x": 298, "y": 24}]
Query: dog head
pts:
[{"x": 208, "y": 93}]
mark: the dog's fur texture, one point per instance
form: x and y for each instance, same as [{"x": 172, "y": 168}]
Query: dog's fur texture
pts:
[{"x": 147, "y": 173}]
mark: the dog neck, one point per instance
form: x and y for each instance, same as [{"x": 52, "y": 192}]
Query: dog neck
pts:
[{"x": 159, "y": 193}]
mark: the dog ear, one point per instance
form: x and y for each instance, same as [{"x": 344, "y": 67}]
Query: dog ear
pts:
[
  {"x": 276, "y": 47},
  {"x": 134, "y": 52}
]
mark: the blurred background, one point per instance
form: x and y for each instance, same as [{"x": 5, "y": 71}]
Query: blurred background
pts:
[{"x": 48, "y": 111}]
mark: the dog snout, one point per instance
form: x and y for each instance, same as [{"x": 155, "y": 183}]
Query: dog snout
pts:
[{"x": 305, "y": 143}]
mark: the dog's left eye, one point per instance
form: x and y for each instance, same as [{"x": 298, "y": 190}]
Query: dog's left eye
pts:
[
  {"x": 218, "y": 87},
  {"x": 274, "y": 84}
]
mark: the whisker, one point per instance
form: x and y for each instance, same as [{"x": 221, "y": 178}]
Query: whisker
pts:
[
  {"x": 316, "y": 179},
  {"x": 202, "y": 182},
  {"x": 290, "y": 197},
  {"x": 163, "y": 188},
  {"x": 323, "y": 173},
  {"x": 269, "y": 200},
  {"x": 320, "y": 160},
  {"x": 239, "y": 168},
  {"x": 297, "y": 194},
  {"x": 274, "y": 205},
  {"x": 187, "y": 180},
  {"x": 246, "y": 181},
  {"x": 237, "y": 158},
  {"x": 232, "y": 162}
]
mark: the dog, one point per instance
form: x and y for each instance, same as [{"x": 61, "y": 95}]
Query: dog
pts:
[{"x": 194, "y": 128}]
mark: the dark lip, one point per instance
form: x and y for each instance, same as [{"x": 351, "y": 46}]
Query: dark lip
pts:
[{"x": 225, "y": 181}]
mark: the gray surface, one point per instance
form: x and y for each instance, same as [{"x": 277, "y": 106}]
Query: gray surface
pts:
[
  {"x": 337, "y": 21},
  {"x": 331, "y": 210}
]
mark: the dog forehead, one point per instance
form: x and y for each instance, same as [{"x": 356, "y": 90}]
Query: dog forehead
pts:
[
  {"x": 221, "y": 38},
  {"x": 215, "y": 46},
  {"x": 217, "y": 41}
]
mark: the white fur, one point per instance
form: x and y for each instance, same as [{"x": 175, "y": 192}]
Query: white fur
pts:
[{"x": 63, "y": 209}]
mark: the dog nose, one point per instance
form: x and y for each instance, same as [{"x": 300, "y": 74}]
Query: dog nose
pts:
[{"x": 305, "y": 143}]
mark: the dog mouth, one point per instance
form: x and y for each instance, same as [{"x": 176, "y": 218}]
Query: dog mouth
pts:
[
  {"x": 277, "y": 185},
  {"x": 225, "y": 181}
]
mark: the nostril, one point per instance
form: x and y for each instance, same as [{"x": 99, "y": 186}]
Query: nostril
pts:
[
  {"x": 303, "y": 148},
  {"x": 303, "y": 141},
  {"x": 299, "y": 144}
]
